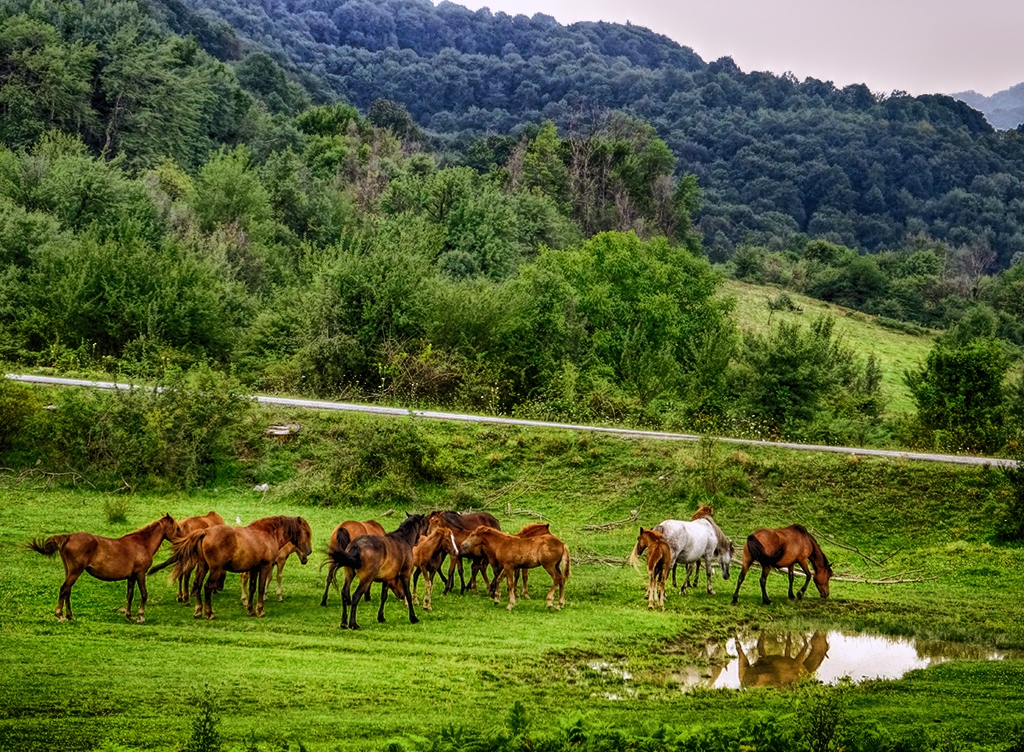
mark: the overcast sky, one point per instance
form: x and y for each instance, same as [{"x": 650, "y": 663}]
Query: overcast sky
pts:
[{"x": 910, "y": 45}]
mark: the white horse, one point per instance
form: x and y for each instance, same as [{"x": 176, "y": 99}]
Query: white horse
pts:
[{"x": 699, "y": 539}]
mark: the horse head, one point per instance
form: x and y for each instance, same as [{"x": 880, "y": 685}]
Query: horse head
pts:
[
  {"x": 725, "y": 553},
  {"x": 301, "y": 536},
  {"x": 643, "y": 540},
  {"x": 168, "y": 527},
  {"x": 447, "y": 540},
  {"x": 822, "y": 575},
  {"x": 473, "y": 544}
]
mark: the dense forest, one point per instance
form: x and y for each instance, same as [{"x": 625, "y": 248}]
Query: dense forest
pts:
[
  {"x": 247, "y": 199},
  {"x": 777, "y": 157}
]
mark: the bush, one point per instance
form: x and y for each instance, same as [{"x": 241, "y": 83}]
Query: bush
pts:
[
  {"x": 171, "y": 436},
  {"x": 17, "y": 404}
]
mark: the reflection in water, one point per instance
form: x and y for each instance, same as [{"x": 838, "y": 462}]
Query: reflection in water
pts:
[{"x": 767, "y": 659}]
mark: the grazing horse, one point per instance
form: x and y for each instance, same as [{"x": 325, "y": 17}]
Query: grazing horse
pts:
[
  {"x": 704, "y": 511},
  {"x": 253, "y": 549},
  {"x": 659, "y": 559},
  {"x": 783, "y": 548},
  {"x": 344, "y": 534},
  {"x": 380, "y": 558},
  {"x": 696, "y": 540},
  {"x": 110, "y": 559},
  {"x": 185, "y": 527},
  {"x": 428, "y": 556},
  {"x": 508, "y": 553},
  {"x": 282, "y": 556},
  {"x": 462, "y": 525}
]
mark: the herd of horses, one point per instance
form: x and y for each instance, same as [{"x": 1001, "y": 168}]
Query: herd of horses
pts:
[{"x": 205, "y": 550}]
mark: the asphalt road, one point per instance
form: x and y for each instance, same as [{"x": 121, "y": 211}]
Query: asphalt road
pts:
[{"x": 627, "y": 433}]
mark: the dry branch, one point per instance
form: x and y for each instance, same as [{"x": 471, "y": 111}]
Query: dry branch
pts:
[
  {"x": 831, "y": 539},
  {"x": 633, "y": 517},
  {"x": 591, "y": 557}
]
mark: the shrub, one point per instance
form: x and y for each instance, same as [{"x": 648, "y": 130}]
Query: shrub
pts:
[{"x": 17, "y": 404}]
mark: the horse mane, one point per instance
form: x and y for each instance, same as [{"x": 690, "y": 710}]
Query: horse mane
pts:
[
  {"x": 453, "y": 518},
  {"x": 148, "y": 527},
  {"x": 534, "y": 526},
  {"x": 410, "y": 528},
  {"x": 723, "y": 542},
  {"x": 818, "y": 552},
  {"x": 704, "y": 511}
]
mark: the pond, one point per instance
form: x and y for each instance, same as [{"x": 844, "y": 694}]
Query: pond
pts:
[{"x": 775, "y": 659}]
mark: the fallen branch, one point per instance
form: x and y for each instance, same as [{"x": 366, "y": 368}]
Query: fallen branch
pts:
[
  {"x": 896, "y": 579},
  {"x": 524, "y": 512},
  {"x": 591, "y": 557},
  {"x": 634, "y": 516},
  {"x": 831, "y": 539}
]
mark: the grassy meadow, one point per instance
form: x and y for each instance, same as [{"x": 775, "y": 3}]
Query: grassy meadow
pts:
[
  {"x": 294, "y": 676},
  {"x": 896, "y": 351}
]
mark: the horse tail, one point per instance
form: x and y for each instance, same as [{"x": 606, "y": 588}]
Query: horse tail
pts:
[
  {"x": 756, "y": 550},
  {"x": 50, "y": 546},
  {"x": 187, "y": 554},
  {"x": 564, "y": 562},
  {"x": 162, "y": 565},
  {"x": 341, "y": 540},
  {"x": 634, "y": 557},
  {"x": 346, "y": 557}
]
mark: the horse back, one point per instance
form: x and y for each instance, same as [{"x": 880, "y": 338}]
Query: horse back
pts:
[{"x": 238, "y": 549}]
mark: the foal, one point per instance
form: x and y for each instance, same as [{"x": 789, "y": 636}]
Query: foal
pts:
[
  {"x": 659, "y": 559},
  {"x": 428, "y": 555},
  {"x": 126, "y": 558}
]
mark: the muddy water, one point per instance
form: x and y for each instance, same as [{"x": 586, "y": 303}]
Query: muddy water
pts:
[{"x": 767, "y": 659}]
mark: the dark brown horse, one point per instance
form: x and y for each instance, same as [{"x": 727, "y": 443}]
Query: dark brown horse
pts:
[
  {"x": 186, "y": 526},
  {"x": 380, "y": 558},
  {"x": 252, "y": 549},
  {"x": 126, "y": 558},
  {"x": 511, "y": 552},
  {"x": 344, "y": 534},
  {"x": 783, "y": 548},
  {"x": 462, "y": 525},
  {"x": 659, "y": 558}
]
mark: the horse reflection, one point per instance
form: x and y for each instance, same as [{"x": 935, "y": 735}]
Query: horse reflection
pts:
[
  {"x": 714, "y": 655},
  {"x": 778, "y": 662}
]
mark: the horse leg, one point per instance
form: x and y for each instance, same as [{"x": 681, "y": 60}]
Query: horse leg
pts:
[
  {"x": 651, "y": 585},
  {"x": 64, "y": 596},
  {"x": 243, "y": 580},
  {"x": 428, "y": 586},
  {"x": 739, "y": 581},
  {"x": 346, "y": 598},
  {"x": 707, "y": 570},
  {"x": 183, "y": 594},
  {"x": 674, "y": 565},
  {"x": 552, "y": 570},
  {"x": 280, "y": 566},
  {"x": 143, "y": 597},
  {"x": 265, "y": 573},
  {"x": 331, "y": 573},
  {"x": 212, "y": 577},
  {"x": 791, "y": 596},
  {"x": 510, "y": 573},
  {"x": 249, "y": 594},
  {"x": 131, "y": 595},
  {"x": 364, "y": 585},
  {"x": 765, "y": 571},
  {"x": 462, "y": 578},
  {"x": 403, "y": 582},
  {"x": 526, "y": 577},
  {"x": 197, "y": 591},
  {"x": 415, "y": 584},
  {"x": 803, "y": 566},
  {"x": 383, "y": 599}
]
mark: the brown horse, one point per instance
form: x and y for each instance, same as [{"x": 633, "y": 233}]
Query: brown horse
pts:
[
  {"x": 529, "y": 530},
  {"x": 185, "y": 527},
  {"x": 428, "y": 556},
  {"x": 253, "y": 549},
  {"x": 380, "y": 558},
  {"x": 344, "y": 534},
  {"x": 510, "y": 552},
  {"x": 659, "y": 557},
  {"x": 462, "y": 525},
  {"x": 110, "y": 559},
  {"x": 783, "y": 548},
  {"x": 282, "y": 556}
]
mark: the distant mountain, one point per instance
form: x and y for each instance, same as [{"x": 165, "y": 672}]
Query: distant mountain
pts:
[
  {"x": 1004, "y": 109},
  {"x": 777, "y": 158}
]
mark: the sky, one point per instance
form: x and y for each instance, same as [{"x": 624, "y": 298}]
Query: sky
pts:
[{"x": 916, "y": 46}]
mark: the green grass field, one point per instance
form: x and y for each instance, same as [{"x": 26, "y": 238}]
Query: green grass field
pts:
[
  {"x": 295, "y": 676},
  {"x": 896, "y": 352}
]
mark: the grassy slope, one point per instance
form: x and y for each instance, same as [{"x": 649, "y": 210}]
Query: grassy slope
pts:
[
  {"x": 896, "y": 352},
  {"x": 294, "y": 675}
]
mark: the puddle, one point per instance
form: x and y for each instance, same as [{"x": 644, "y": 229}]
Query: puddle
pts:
[{"x": 768, "y": 659}]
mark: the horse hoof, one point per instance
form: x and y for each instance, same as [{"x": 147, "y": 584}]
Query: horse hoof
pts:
[
  {"x": 799, "y": 596},
  {"x": 508, "y": 607},
  {"x": 61, "y": 619},
  {"x": 197, "y": 616},
  {"x": 142, "y": 620},
  {"x": 414, "y": 620},
  {"x": 711, "y": 592},
  {"x": 210, "y": 617},
  {"x": 260, "y": 614}
]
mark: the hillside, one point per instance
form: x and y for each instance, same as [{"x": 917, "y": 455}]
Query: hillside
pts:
[
  {"x": 896, "y": 351},
  {"x": 774, "y": 155},
  {"x": 1004, "y": 109}
]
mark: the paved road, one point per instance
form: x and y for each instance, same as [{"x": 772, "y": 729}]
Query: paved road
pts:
[{"x": 955, "y": 459}]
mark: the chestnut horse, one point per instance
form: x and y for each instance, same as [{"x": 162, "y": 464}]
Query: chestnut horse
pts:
[
  {"x": 380, "y": 558},
  {"x": 659, "y": 558},
  {"x": 428, "y": 556},
  {"x": 511, "y": 552},
  {"x": 110, "y": 559},
  {"x": 282, "y": 556},
  {"x": 344, "y": 534},
  {"x": 185, "y": 527},
  {"x": 783, "y": 548},
  {"x": 529, "y": 530},
  {"x": 252, "y": 549},
  {"x": 462, "y": 525}
]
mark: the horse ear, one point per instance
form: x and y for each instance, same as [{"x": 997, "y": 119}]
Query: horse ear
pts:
[{"x": 407, "y": 515}]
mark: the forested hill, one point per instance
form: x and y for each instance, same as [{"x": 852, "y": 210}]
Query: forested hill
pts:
[
  {"x": 775, "y": 156},
  {"x": 1004, "y": 109}
]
